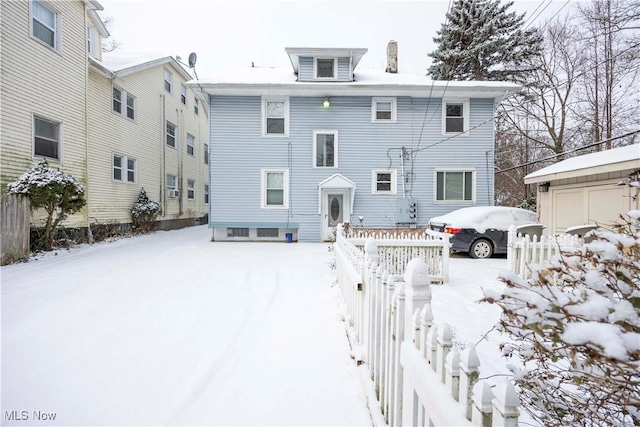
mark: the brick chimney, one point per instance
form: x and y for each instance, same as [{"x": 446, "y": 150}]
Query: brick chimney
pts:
[{"x": 392, "y": 57}]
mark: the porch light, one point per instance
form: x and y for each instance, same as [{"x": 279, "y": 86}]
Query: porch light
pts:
[
  {"x": 544, "y": 187},
  {"x": 326, "y": 103}
]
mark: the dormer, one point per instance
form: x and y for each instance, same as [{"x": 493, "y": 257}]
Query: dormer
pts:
[
  {"x": 96, "y": 30},
  {"x": 324, "y": 64}
]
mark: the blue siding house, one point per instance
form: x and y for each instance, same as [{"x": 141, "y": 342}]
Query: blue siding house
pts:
[{"x": 294, "y": 152}]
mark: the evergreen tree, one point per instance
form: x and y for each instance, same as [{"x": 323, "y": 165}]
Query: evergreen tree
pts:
[
  {"x": 481, "y": 40},
  {"x": 57, "y": 193},
  {"x": 144, "y": 212}
]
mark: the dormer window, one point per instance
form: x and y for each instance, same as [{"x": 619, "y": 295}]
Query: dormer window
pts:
[{"x": 325, "y": 68}]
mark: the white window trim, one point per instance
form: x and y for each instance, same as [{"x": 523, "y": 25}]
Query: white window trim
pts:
[
  {"x": 192, "y": 188},
  {"x": 465, "y": 112},
  {"x": 124, "y": 105},
  {"x": 183, "y": 93},
  {"x": 315, "y": 68},
  {"x": 335, "y": 148},
  {"x": 175, "y": 136},
  {"x": 266, "y": 99},
  {"x": 196, "y": 106},
  {"x": 263, "y": 188},
  {"x": 124, "y": 169},
  {"x": 455, "y": 202},
  {"x": 164, "y": 79},
  {"x": 57, "y": 35},
  {"x": 192, "y": 145},
  {"x": 33, "y": 138},
  {"x": 205, "y": 195},
  {"x": 91, "y": 48},
  {"x": 175, "y": 182},
  {"x": 374, "y": 110},
  {"x": 394, "y": 181}
]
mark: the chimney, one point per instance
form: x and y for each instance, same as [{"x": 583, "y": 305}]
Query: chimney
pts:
[{"x": 392, "y": 57}]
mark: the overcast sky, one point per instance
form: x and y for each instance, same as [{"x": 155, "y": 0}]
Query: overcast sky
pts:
[{"x": 235, "y": 33}]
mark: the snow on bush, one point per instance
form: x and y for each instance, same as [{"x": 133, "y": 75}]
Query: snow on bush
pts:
[
  {"x": 575, "y": 327},
  {"x": 144, "y": 212},
  {"x": 57, "y": 193}
]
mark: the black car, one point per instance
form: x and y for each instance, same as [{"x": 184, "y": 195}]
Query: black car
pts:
[{"x": 481, "y": 231}]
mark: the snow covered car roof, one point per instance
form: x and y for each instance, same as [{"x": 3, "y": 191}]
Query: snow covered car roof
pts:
[{"x": 482, "y": 218}]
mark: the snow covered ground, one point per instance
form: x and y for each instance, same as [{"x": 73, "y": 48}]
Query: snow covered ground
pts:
[{"x": 172, "y": 329}]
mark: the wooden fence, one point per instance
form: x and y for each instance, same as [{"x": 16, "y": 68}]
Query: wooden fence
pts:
[
  {"x": 397, "y": 247},
  {"x": 14, "y": 228},
  {"x": 420, "y": 378},
  {"x": 523, "y": 251}
]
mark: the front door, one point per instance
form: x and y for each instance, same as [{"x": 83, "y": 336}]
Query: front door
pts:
[{"x": 333, "y": 214}]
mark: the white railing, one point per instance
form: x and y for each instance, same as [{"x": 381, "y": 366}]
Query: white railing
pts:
[
  {"x": 523, "y": 251},
  {"x": 397, "y": 247},
  {"x": 419, "y": 377}
]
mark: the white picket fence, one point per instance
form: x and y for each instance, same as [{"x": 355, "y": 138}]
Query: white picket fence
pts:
[
  {"x": 420, "y": 378},
  {"x": 397, "y": 247},
  {"x": 523, "y": 251}
]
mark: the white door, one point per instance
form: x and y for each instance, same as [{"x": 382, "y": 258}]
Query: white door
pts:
[{"x": 333, "y": 212}]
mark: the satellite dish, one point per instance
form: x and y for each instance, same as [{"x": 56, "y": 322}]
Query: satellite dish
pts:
[{"x": 192, "y": 59}]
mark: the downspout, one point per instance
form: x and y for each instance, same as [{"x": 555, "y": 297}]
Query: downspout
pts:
[
  {"x": 163, "y": 150},
  {"x": 404, "y": 178},
  {"x": 180, "y": 115},
  {"x": 86, "y": 133}
]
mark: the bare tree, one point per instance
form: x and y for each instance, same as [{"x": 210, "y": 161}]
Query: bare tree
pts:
[
  {"x": 110, "y": 44},
  {"x": 610, "y": 102}
]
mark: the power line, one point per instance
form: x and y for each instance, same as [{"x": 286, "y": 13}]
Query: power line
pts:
[{"x": 569, "y": 152}]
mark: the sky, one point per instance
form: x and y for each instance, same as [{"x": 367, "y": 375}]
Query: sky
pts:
[
  {"x": 231, "y": 34},
  {"x": 171, "y": 329}
]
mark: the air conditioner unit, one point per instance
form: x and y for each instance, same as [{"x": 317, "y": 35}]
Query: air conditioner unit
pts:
[{"x": 174, "y": 193}]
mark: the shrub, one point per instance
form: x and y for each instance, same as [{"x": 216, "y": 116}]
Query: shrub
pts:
[
  {"x": 575, "y": 327},
  {"x": 57, "y": 193},
  {"x": 144, "y": 213}
]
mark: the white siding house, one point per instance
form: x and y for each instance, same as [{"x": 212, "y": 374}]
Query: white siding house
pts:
[
  {"x": 104, "y": 120},
  {"x": 589, "y": 189}
]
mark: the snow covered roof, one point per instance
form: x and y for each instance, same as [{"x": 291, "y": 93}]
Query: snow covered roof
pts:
[
  {"x": 616, "y": 159},
  {"x": 122, "y": 64},
  {"x": 282, "y": 81}
]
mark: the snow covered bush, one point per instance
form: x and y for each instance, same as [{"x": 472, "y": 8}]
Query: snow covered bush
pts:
[
  {"x": 144, "y": 212},
  {"x": 57, "y": 193},
  {"x": 575, "y": 327}
]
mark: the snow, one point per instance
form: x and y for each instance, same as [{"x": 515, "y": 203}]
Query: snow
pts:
[
  {"x": 607, "y": 157},
  {"x": 482, "y": 218},
  {"x": 172, "y": 329}
]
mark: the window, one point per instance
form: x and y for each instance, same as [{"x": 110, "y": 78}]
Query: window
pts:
[
  {"x": 206, "y": 194},
  {"x": 275, "y": 188},
  {"x": 325, "y": 148},
  {"x": 454, "y": 185},
  {"x": 191, "y": 189},
  {"x": 168, "y": 78},
  {"x": 191, "y": 143},
  {"x": 171, "y": 134},
  {"x": 275, "y": 116},
  {"x": 384, "y": 181},
  {"x": 268, "y": 232},
  {"x": 124, "y": 166},
  {"x": 383, "y": 110},
  {"x": 46, "y": 138},
  {"x": 183, "y": 94},
  {"x": 171, "y": 182},
  {"x": 206, "y": 154},
  {"x": 196, "y": 106},
  {"x": 90, "y": 43},
  {"x": 44, "y": 24},
  {"x": 237, "y": 232},
  {"x": 325, "y": 68},
  {"x": 118, "y": 96},
  {"x": 455, "y": 116}
]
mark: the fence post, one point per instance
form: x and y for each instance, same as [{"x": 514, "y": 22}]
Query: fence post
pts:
[
  {"x": 444, "y": 337},
  {"x": 482, "y": 407},
  {"x": 510, "y": 248},
  {"x": 418, "y": 294},
  {"x": 395, "y": 405},
  {"x": 389, "y": 364},
  {"x": 505, "y": 405},
  {"x": 469, "y": 373},
  {"x": 426, "y": 321},
  {"x": 452, "y": 367}
]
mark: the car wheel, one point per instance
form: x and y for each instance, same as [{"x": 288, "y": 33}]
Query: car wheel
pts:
[{"x": 481, "y": 249}]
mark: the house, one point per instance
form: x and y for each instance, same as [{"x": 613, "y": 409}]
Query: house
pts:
[
  {"x": 147, "y": 130},
  {"x": 43, "y": 98},
  {"x": 296, "y": 151},
  {"x": 589, "y": 189},
  {"x": 116, "y": 123}
]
